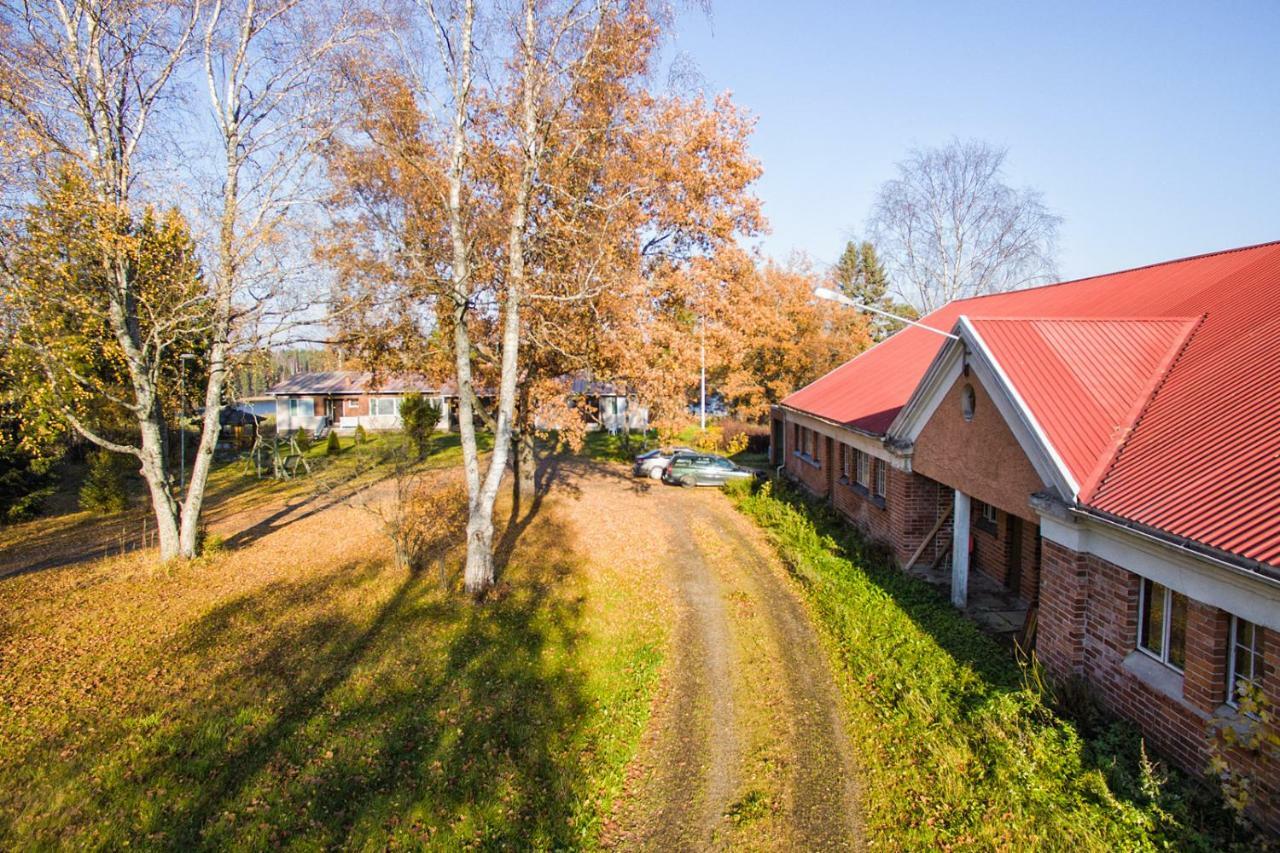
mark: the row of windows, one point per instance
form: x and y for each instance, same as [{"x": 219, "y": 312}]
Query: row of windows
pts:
[
  {"x": 805, "y": 442},
  {"x": 1162, "y": 633},
  {"x": 863, "y": 469},
  {"x": 377, "y": 406}
]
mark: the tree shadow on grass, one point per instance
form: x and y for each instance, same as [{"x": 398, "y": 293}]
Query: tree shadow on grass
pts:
[{"x": 424, "y": 718}]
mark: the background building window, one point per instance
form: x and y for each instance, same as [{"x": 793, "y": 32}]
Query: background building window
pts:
[
  {"x": 1162, "y": 624},
  {"x": 864, "y": 469},
  {"x": 880, "y": 478},
  {"x": 846, "y": 462},
  {"x": 1245, "y": 664}
]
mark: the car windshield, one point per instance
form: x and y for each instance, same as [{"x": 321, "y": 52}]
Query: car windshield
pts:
[{"x": 723, "y": 463}]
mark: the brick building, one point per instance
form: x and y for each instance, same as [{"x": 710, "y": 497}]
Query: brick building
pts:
[{"x": 1108, "y": 451}]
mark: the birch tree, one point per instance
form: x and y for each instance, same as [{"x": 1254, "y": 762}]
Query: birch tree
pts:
[
  {"x": 93, "y": 91},
  {"x": 89, "y": 82},
  {"x": 950, "y": 227},
  {"x": 269, "y": 94},
  {"x": 514, "y": 219}
]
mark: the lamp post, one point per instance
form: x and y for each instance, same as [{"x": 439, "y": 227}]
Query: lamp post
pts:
[
  {"x": 187, "y": 358},
  {"x": 836, "y": 296},
  {"x": 702, "y": 382}
]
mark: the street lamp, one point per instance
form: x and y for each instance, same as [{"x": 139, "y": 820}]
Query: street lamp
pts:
[
  {"x": 836, "y": 296},
  {"x": 186, "y": 357}
]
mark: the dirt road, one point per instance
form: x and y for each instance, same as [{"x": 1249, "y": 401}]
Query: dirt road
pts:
[{"x": 746, "y": 747}]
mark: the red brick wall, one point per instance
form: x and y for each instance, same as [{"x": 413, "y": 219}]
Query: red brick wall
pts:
[
  {"x": 993, "y": 553},
  {"x": 811, "y": 474},
  {"x": 981, "y": 457},
  {"x": 1088, "y": 627}
]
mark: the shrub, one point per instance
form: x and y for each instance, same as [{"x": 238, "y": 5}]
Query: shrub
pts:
[
  {"x": 105, "y": 487},
  {"x": 332, "y": 447},
  {"x": 745, "y": 436},
  {"x": 303, "y": 439},
  {"x": 361, "y": 437},
  {"x": 419, "y": 417},
  {"x": 25, "y": 481}
]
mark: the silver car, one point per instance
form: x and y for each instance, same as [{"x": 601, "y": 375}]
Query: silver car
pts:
[{"x": 652, "y": 463}]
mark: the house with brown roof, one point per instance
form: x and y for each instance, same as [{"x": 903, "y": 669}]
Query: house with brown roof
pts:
[
  {"x": 345, "y": 399},
  {"x": 1103, "y": 453}
]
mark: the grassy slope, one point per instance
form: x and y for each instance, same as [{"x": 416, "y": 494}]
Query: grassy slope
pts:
[
  {"x": 958, "y": 745},
  {"x": 300, "y": 688}
]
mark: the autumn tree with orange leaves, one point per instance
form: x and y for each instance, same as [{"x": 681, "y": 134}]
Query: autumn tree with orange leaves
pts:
[{"x": 511, "y": 227}]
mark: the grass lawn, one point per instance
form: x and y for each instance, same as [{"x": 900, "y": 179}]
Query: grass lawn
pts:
[
  {"x": 300, "y": 689},
  {"x": 958, "y": 744}
]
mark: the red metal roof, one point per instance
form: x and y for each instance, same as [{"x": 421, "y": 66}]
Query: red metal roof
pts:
[
  {"x": 1197, "y": 454},
  {"x": 1084, "y": 380}
]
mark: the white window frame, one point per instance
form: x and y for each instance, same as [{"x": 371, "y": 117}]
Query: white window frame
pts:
[
  {"x": 989, "y": 514},
  {"x": 1166, "y": 628},
  {"x": 846, "y": 462},
  {"x": 864, "y": 469},
  {"x": 1255, "y": 652},
  {"x": 880, "y": 478},
  {"x": 295, "y": 406},
  {"x": 376, "y": 405},
  {"x": 353, "y": 403}
]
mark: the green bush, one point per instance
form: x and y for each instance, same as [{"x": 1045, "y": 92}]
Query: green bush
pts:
[
  {"x": 25, "y": 481},
  {"x": 960, "y": 746},
  {"x": 303, "y": 439},
  {"x": 106, "y": 485},
  {"x": 419, "y": 417},
  {"x": 332, "y": 447},
  {"x": 361, "y": 437}
]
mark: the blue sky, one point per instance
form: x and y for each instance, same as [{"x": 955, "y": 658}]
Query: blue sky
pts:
[{"x": 1153, "y": 129}]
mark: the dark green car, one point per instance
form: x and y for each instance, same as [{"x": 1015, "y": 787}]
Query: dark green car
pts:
[{"x": 703, "y": 469}]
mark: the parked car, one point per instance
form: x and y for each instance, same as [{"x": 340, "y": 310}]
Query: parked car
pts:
[
  {"x": 703, "y": 469},
  {"x": 652, "y": 463}
]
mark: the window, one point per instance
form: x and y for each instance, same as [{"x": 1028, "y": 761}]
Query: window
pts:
[
  {"x": 1162, "y": 624},
  {"x": 864, "y": 469},
  {"x": 353, "y": 404},
  {"x": 984, "y": 517},
  {"x": 384, "y": 405},
  {"x": 846, "y": 462},
  {"x": 880, "y": 478},
  {"x": 295, "y": 407},
  {"x": 1244, "y": 666},
  {"x": 967, "y": 402}
]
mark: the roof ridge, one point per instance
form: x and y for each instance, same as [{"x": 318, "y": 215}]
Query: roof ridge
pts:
[
  {"x": 1153, "y": 265},
  {"x": 1041, "y": 318},
  {"x": 1107, "y": 464}
]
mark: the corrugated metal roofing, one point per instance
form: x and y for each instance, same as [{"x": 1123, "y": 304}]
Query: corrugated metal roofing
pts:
[
  {"x": 1202, "y": 457},
  {"x": 1084, "y": 380},
  {"x": 354, "y": 382}
]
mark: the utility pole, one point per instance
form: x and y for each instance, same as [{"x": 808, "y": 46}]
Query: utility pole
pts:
[{"x": 702, "y": 393}]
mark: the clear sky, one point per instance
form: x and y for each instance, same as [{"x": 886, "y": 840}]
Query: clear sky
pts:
[{"x": 1152, "y": 128}]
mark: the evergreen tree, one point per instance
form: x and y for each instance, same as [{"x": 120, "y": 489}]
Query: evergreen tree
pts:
[
  {"x": 860, "y": 275},
  {"x": 419, "y": 416}
]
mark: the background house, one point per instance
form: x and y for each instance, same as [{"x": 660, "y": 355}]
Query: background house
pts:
[
  {"x": 607, "y": 405},
  {"x": 346, "y": 399},
  {"x": 1106, "y": 452}
]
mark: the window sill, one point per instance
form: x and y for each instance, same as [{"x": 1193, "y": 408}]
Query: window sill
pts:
[
  {"x": 863, "y": 492},
  {"x": 986, "y": 527},
  {"x": 1160, "y": 678}
]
